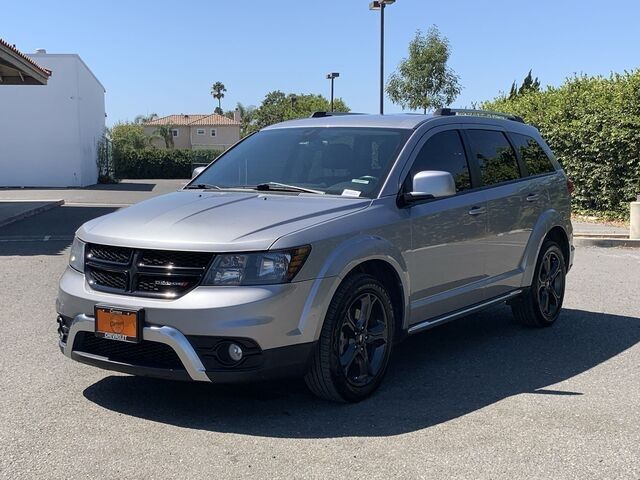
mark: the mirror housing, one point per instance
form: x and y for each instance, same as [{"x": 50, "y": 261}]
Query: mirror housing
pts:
[
  {"x": 197, "y": 171},
  {"x": 430, "y": 184}
]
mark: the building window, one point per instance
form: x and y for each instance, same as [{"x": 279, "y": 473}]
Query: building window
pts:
[
  {"x": 200, "y": 131},
  {"x": 213, "y": 132},
  {"x": 174, "y": 132}
]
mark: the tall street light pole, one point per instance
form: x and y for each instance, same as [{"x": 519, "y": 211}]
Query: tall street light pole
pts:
[
  {"x": 380, "y": 5},
  {"x": 331, "y": 76}
]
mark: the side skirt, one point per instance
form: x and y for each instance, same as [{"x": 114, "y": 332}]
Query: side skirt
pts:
[{"x": 419, "y": 327}]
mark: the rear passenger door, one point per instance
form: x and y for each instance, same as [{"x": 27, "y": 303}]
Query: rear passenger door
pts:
[{"x": 510, "y": 215}]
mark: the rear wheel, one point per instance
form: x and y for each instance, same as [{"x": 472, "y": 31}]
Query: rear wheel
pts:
[
  {"x": 540, "y": 304},
  {"x": 355, "y": 343}
]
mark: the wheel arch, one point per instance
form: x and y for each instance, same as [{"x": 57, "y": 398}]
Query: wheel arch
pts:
[{"x": 550, "y": 225}]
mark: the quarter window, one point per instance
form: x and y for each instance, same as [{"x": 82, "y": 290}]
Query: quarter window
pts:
[
  {"x": 213, "y": 132},
  {"x": 444, "y": 152},
  {"x": 495, "y": 156},
  {"x": 532, "y": 154}
]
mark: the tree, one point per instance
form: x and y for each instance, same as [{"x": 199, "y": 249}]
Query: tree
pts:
[
  {"x": 141, "y": 119},
  {"x": 528, "y": 85},
  {"x": 278, "y": 107},
  {"x": 247, "y": 116},
  {"x": 217, "y": 92},
  {"x": 423, "y": 80},
  {"x": 128, "y": 136},
  {"x": 164, "y": 132}
]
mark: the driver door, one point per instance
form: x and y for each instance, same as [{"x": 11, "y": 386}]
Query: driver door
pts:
[{"x": 446, "y": 261}]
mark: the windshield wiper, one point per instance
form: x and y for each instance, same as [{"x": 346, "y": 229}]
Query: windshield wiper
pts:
[
  {"x": 202, "y": 186},
  {"x": 283, "y": 187}
]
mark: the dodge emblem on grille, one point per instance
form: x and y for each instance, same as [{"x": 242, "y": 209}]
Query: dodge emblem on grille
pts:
[{"x": 167, "y": 283}]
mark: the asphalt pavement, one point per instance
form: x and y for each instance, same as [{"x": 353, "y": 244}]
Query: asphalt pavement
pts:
[{"x": 477, "y": 398}]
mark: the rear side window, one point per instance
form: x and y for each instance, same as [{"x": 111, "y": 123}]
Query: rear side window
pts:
[
  {"x": 444, "y": 152},
  {"x": 532, "y": 154},
  {"x": 495, "y": 156}
]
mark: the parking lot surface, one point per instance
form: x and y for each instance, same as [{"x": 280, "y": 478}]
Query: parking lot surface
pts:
[{"x": 477, "y": 398}]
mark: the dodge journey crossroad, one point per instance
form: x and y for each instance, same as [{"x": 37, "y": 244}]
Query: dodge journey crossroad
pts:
[{"x": 312, "y": 247}]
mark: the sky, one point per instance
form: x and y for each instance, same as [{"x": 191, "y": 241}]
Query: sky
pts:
[{"x": 162, "y": 56}]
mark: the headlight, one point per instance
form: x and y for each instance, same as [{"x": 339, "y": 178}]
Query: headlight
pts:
[
  {"x": 263, "y": 268},
  {"x": 76, "y": 256}
]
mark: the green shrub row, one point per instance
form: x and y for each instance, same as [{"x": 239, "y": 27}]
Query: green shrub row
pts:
[
  {"x": 157, "y": 163},
  {"x": 593, "y": 126}
]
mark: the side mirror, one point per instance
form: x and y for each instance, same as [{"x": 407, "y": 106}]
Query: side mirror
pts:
[
  {"x": 197, "y": 171},
  {"x": 430, "y": 184}
]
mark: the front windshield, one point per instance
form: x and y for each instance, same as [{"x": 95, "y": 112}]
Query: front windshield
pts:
[{"x": 337, "y": 161}]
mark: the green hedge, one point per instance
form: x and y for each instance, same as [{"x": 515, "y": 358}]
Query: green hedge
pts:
[
  {"x": 593, "y": 126},
  {"x": 157, "y": 163}
]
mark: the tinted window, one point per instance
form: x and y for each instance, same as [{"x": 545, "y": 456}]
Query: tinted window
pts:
[
  {"x": 496, "y": 158},
  {"x": 444, "y": 152},
  {"x": 532, "y": 155},
  {"x": 340, "y": 161}
]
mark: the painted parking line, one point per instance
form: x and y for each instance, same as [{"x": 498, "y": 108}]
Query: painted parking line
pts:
[
  {"x": 89, "y": 204},
  {"x": 36, "y": 238}
]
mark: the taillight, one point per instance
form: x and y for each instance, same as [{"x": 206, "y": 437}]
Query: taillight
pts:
[{"x": 570, "y": 186}]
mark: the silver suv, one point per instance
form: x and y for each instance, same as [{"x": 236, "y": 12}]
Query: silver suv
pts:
[{"x": 313, "y": 246}]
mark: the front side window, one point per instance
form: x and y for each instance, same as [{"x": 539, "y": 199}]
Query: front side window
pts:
[
  {"x": 338, "y": 160},
  {"x": 444, "y": 152},
  {"x": 532, "y": 154},
  {"x": 200, "y": 131},
  {"x": 174, "y": 132},
  {"x": 495, "y": 156}
]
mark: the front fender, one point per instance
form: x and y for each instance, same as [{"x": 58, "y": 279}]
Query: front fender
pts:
[{"x": 342, "y": 258}]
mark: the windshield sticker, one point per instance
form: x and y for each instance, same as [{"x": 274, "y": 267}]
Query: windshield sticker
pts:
[
  {"x": 350, "y": 193},
  {"x": 360, "y": 180}
]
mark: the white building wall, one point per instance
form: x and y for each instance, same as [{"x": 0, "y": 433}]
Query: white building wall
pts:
[{"x": 48, "y": 134}]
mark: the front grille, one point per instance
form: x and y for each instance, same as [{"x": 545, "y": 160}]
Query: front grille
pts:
[
  {"x": 151, "y": 273},
  {"x": 103, "y": 278},
  {"x": 108, "y": 253},
  {"x": 143, "y": 354}
]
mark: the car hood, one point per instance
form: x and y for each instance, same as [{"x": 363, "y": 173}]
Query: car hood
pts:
[{"x": 214, "y": 221}]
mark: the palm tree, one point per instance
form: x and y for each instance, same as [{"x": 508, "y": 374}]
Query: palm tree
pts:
[
  {"x": 145, "y": 118},
  {"x": 164, "y": 132},
  {"x": 217, "y": 92}
]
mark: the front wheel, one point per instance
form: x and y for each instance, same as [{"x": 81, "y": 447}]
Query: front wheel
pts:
[
  {"x": 355, "y": 343},
  {"x": 540, "y": 304}
]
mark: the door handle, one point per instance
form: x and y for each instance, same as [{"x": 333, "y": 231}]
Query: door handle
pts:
[
  {"x": 532, "y": 197},
  {"x": 477, "y": 211}
]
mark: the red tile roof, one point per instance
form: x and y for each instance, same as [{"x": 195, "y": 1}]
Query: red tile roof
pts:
[
  {"x": 192, "y": 120},
  {"x": 44, "y": 71}
]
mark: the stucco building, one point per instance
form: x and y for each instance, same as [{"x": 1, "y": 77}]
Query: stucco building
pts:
[
  {"x": 197, "y": 131},
  {"x": 49, "y": 132}
]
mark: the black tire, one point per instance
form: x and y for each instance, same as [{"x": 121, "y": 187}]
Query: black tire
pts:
[
  {"x": 541, "y": 303},
  {"x": 353, "y": 352}
]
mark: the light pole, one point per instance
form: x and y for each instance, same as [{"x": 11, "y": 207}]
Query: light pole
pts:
[
  {"x": 331, "y": 76},
  {"x": 380, "y": 5}
]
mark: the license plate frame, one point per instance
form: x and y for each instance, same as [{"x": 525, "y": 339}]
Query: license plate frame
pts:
[{"x": 119, "y": 324}]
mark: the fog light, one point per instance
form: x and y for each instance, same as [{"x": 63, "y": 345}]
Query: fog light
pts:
[{"x": 235, "y": 352}]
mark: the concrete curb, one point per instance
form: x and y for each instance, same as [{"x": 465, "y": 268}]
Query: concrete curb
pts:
[
  {"x": 605, "y": 242},
  {"x": 29, "y": 213}
]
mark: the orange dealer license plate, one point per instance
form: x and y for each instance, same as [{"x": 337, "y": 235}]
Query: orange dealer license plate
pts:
[{"x": 119, "y": 324}]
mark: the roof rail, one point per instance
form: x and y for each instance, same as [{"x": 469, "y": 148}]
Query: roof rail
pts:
[
  {"x": 445, "y": 112},
  {"x": 332, "y": 114}
]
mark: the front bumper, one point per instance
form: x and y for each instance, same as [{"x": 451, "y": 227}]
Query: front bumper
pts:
[
  {"x": 188, "y": 363},
  {"x": 279, "y": 323}
]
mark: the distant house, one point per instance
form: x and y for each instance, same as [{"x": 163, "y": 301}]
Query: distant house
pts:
[
  {"x": 49, "y": 128},
  {"x": 197, "y": 131}
]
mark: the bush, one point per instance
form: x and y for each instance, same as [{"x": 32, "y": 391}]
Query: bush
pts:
[
  {"x": 593, "y": 126},
  {"x": 157, "y": 163}
]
